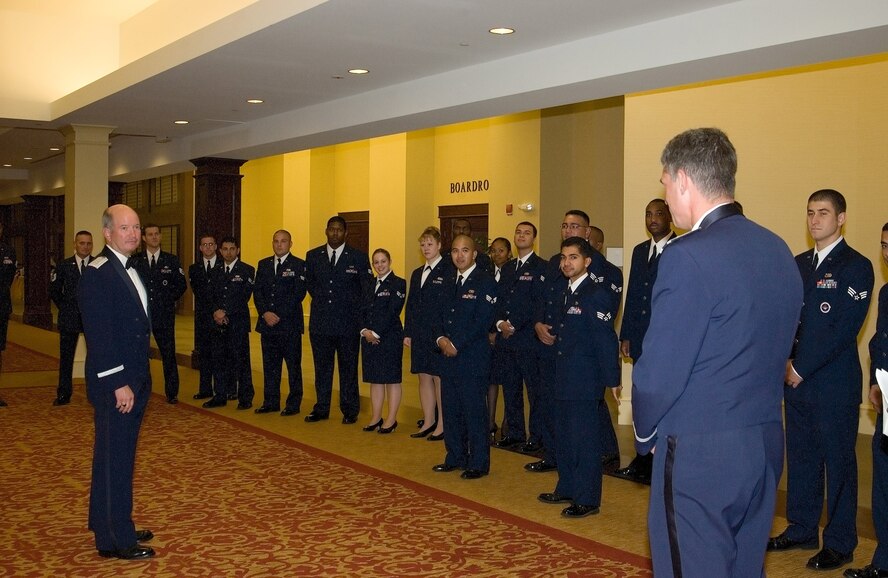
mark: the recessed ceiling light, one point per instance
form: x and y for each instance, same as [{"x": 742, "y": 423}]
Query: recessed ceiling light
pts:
[
  {"x": 501, "y": 31},
  {"x": 54, "y": 148},
  {"x": 180, "y": 121},
  {"x": 358, "y": 71},
  {"x": 29, "y": 158},
  {"x": 255, "y": 101},
  {"x": 7, "y": 165}
]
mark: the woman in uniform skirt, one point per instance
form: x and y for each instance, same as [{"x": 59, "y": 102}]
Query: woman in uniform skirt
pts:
[
  {"x": 430, "y": 286},
  {"x": 382, "y": 342}
]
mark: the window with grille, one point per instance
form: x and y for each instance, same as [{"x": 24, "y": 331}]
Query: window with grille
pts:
[
  {"x": 134, "y": 194},
  {"x": 166, "y": 190},
  {"x": 169, "y": 239}
]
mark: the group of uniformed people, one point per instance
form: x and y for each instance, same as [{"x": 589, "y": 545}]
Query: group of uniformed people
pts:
[{"x": 475, "y": 322}]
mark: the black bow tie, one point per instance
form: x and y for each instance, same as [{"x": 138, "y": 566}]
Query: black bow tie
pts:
[{"x": 130, "y": 262}]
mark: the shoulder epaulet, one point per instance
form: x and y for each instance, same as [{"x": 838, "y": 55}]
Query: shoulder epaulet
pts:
[{"x": 98, "y": 262}]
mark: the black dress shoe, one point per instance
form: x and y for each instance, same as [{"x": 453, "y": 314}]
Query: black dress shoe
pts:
[
  {"x": 435, "y": 438},
  {"x": 541, "y": 466},
  {"x": 531, "y": 447},
  {"x": 472, "y": 474},
  {"x": 782, "y": 542},
  {"x": 635, "y": 472},
  {"x": 290, "y": 411},
  {"x": 245, "y": 405},
  {"x": 313, "y": 417},
  {"x": 425, "y": 432},
  {"x": 3, "y": 403},
  {"x": 869, "y": 571},
  {"x": 202, "y": 396},
  {"x": 829, "y": 559},
  {"x": 389, "y": 429},
  {"x": 132, "y": 553},
  {"x": 578, "y": 511},
  {"x": 349, "y": 419},
  {"x": 214, "y": 403},
  {"x": 172, "y": 400},
  {"x": 444, "y": 468},
  {"x": 373, "y": 426},
  {"x": 266, "y": 409},
  {"x": 508, "y": 442},
  {"x": 231, "y": 396},
  {"x": 144, "y": 535},
  {"x": 61, "y": 401},
  {"x": 553, "y": 498}
]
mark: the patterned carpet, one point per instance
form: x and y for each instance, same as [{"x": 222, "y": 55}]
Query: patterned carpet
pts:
[
  {"x": 17, "y": 358},
  {"x": 227, "y": 499}
]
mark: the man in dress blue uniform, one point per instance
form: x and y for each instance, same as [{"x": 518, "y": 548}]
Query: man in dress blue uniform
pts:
[
  {"x": 63, "y": 292},
  {"x": 462, "y": 338},
  {"x": 878, "y": 348},
  {"x": 278, "y": 295},
  {"x": 231, "y": 314},
  {"x": 200, "y": 276},
  {"x": 165, "y": 282},
  {"x": 637, "y": 312},
  {"x": 586, "y": 363},
  {"x": 336, "y": 277},
  {"x": 516, "y": 341},
  {"x": 7, "y": 274},
  {"x": 613, "y": 280},
  {"x": 709, "y": 403},
  {"x": 822, "y": 394},
  {"x": 547, "y": 299},
  {"x": 114, "y": 309}
]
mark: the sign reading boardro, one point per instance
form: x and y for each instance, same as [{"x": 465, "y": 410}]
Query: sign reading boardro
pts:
[{"x": 469, "y": 186}]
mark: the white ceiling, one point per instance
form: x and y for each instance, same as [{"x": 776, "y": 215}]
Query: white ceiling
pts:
[{"x": 431, "y": 62}]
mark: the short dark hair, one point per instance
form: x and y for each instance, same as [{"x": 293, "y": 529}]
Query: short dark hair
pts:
[
  {"x": 598, "y": 232},
  {"x": 82, "y": 232},
  {"x": 529, "y": 224},
  {"x": 337, "y": 219},
  {"x": 707, "y": 156},
  {"x": 580, "y": 214},
  {"x": 503, "y": 240},
  {"x": 284, "y": 231},
  {"x": 831, "y": 196},
  {"x": 150, "y": 226},
  {"x": 206, "y": 236},
  {"x": 229, "y": 239},
  {"x": 885, "y": 227},
  {"x": 582, "y": 245}
]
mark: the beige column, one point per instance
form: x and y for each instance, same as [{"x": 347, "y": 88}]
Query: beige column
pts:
[{"x": 86, "y": 193}]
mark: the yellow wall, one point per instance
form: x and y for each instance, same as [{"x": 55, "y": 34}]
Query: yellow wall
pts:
[{"x": 794, "y": 134}]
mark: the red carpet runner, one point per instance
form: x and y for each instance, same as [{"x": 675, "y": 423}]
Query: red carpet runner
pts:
[{"x": 226, "y": 499}]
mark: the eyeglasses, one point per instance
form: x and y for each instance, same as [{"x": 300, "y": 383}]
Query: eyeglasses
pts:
[
  {"x": 573, "y": 226},
  {"x": 208, "y": 244}
]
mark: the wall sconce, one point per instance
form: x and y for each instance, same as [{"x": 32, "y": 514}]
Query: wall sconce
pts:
[{"x": 526, "y": 207}]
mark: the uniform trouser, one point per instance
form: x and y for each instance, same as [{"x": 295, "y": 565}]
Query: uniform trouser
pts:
[
  {"x": 166, "y": 343},
  {"x": 579, "y": 451},
  {"x": 114, "y": 455},
  {"x": 609, "y": 445},
  {"x": 712, "y": 502},
  {"x": 820, "y": 451},
  {"x": 520, "y": 369},
  {"x": 203, "y": 343},
  {"x": 67, "y": 348},
  {"x": 279, "y": 348},
  {"x": 545, "y": 401},
  {"x": 344, "y": 348},
  {"x": 234, "y": 371},
  {"x": 466, "y": 438},
  {"x": 880, "y": 494}
]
